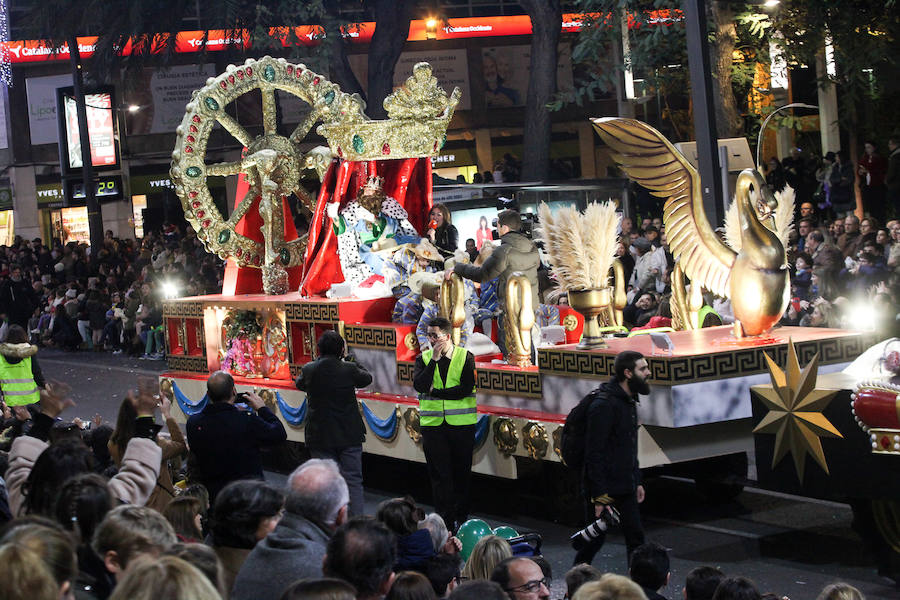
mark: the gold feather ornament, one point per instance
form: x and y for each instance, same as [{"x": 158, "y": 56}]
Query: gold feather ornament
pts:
[{"x": 756, "y": 277}]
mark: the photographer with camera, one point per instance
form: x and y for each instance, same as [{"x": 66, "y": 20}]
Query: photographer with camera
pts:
[
  {"x": 334, "y": 427},
  {"x": 611, "y": 476},
  {"x": 226, "y": 440}
]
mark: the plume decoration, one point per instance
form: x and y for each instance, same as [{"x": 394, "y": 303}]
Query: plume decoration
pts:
[
  {"x": 782, "y": 223},
  {"x": 581, "y": 246}
]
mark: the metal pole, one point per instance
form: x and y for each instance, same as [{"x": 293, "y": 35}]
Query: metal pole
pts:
[
  {"x": 704, "y": 111},
  {"x": 95, "y": 220},
  {"x": 762, "y": 128}
]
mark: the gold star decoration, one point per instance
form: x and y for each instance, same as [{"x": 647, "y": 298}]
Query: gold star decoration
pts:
[{"x": 795, "y": 412}]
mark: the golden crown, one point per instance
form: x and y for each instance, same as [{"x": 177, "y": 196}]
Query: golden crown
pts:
[
  {"x": 374, "y": 182},
  {"x": 418, "y": 115}
]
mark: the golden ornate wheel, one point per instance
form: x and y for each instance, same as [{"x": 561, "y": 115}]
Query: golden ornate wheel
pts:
[{"x": 271, "y": 163}]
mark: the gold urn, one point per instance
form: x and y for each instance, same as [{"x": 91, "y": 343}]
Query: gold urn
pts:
[{"x": 591, "y": 303}]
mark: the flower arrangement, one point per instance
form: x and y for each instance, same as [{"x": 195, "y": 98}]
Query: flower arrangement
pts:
[{"x": 581, "y": 246}]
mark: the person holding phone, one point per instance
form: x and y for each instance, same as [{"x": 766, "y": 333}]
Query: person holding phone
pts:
[
  {"x": 334, "y": 427},
  {"x": 226, "y": 441}
]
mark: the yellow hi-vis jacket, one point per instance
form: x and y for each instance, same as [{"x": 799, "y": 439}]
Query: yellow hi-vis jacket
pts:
[
  {"x": 434, "y": 411},
  {"x": 17, "y": 382}
]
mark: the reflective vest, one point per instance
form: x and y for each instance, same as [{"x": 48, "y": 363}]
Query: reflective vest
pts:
[
  {"x": 433, "y": 411},
  {"x": 17, "y": 382}
]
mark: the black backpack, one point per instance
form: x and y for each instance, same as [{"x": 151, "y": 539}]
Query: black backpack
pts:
[{"x": 572, "y": 439}]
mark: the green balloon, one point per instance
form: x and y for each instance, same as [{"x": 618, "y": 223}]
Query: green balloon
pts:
[
  {"x": 506, "y": 532},
  {"x": 469, "y": 533}
]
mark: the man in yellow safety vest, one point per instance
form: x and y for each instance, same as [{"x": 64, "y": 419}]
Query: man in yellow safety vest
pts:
[
  {"x": 20, "y": 375},
  {"x": 444, "y": 377}
]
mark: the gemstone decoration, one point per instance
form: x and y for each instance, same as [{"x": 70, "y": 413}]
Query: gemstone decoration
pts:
[
  {"x": 285, "y": 255},
  {"x": 358, "y": 144},
  {"x": 192, "y": 129},
  {"x": 195, "y": 204},
  {"x": 329, "y": 97},
  {"x": 240, "y": 252},
  {"x": 201, "y": 214},
  {"x": 206, "y": 223},
  {"x": 269, "y": 73},
  {"x": 224, "y": 236},
  {"x": 249, "y": 71},
  {"x": 240, "y": 74},
  {"x": 290, "y": 69},
  {"x": 256, "y": 260},
  {"x": 231, "y": 78},
  {"x": 195, "y": 118},
  {"x": 190, "y": 139},
  {"x": 443, "y": 140},
  {"x": 316, "y": 81},
  {"x": 223, "y": 84},
  {"x": 192, "y": 193},
  {"x": 193, "y": 171},
  {"x": 211, "y": 103},
  {"x": 188, "y": 149},
  {"x": 386, "y": 149},
  {"x": 340, "y": 152}
]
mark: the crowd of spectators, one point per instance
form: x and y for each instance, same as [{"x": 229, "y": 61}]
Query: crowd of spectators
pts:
[
  {"x": 68, "y": 297},
  {"x": 845, "y": 273},
  {"x": 77, "y": 523}
]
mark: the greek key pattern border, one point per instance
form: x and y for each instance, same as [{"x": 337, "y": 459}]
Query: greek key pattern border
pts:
[
  {"x": 312, "y": 312},
  {"x": 704, "y": 367},
  {"x": 371, "y": 337},
  {"x": 180, "y": 308},
  {"x": 513, "y": 383},
  {"x": 193, "y": 364},
  {"x": 405, "y": 372}
]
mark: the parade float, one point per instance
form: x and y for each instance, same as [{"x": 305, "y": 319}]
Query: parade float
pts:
[{"x": 282, "y": 290}]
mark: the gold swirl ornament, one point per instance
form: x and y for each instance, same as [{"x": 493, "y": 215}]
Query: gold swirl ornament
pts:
[
  {"x": 506, "y": 438},
  {"x": 451, "y": 304},
  {"x": 756, "y": 278},
  {"x": 535, "y": 440},
  {"x": 518, "y": 320},
  {"x": 167, "y": 389},
  {"x": 411, "y": 423},
  {"x": 557, "y": 443},
  {"x": 268, "y": 396},
  {"x": 272, "y": 163}
]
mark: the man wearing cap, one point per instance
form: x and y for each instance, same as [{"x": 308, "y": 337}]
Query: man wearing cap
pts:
[{"x": 649, "y": 268}]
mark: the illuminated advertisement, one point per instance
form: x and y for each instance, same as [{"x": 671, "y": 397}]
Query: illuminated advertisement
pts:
[{"x": 101, "y": 129}]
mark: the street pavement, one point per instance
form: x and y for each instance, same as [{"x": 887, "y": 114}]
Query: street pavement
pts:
[{"x": 788, "y": 545}]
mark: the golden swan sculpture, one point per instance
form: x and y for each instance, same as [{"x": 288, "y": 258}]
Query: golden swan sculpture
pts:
[{"x": 756, "y": 278}]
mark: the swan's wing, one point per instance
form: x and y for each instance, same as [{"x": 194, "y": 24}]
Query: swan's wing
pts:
[{"x": 649, "y": 159}]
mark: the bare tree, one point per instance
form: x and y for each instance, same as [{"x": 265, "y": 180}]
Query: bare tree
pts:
[{"x": 546, "y": 24}]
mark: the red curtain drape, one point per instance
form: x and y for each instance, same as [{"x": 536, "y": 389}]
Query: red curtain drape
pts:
[{"x": 407, "y": 180}]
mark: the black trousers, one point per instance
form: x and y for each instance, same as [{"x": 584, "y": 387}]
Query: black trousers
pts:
[
  {"x": 448, "y": 456},
  {"x": 630, "y": 515}
]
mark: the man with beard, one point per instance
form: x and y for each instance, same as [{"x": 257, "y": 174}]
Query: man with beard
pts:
[{"x": 612, "y": 478}]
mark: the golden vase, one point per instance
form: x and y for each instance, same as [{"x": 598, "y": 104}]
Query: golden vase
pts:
[{"x": 591, "y": 303}]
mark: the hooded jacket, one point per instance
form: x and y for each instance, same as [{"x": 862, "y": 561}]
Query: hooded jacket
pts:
[{"x": 14, "y": 353}]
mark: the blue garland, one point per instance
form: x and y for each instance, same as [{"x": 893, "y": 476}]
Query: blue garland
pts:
[
  {"x": 384, "y": 429},
  {"x": 187, "y": 407},
  {"x": 294, "y": 416},
  {"x": 481, "y": 429}
]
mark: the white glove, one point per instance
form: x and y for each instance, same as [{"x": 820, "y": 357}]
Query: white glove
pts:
[{"x": 331, "y": 209}]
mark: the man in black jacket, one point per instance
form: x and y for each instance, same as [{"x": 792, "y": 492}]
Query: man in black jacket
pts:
[
  {"x": 611, "y": 473},
  {"x": 225, "y": 440},
  {"x": 334, "y": 427}
]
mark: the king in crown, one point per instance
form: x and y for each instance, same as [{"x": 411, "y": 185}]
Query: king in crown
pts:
[{"x": 368, "y": 229}]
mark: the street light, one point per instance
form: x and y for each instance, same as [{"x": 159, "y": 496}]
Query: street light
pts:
[{"x": 762, "y": 128}]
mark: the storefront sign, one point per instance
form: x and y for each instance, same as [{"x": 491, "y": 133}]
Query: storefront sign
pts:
[{"x": 41, "y": 92}]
